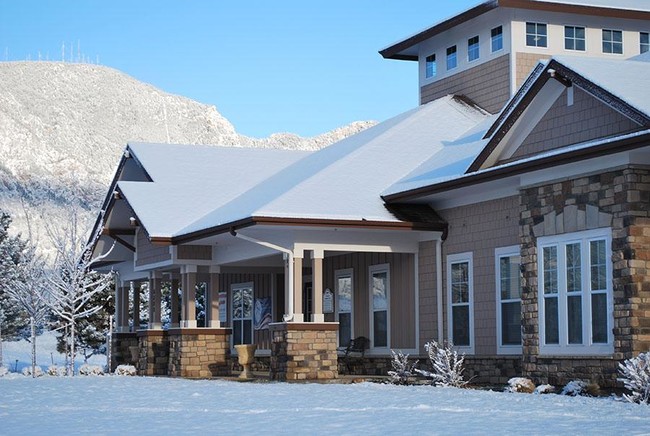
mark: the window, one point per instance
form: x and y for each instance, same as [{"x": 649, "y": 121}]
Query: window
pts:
[
  {"x": 575, "y": 297},
  {"x": 431, "y": 67},
  {"x": 508, "y": 285},
  {"x": 452, "y": 60},
  {"x": 497, "y": 38},
  {"x": 644, "y": 38},
  {"x": 574, "y": 38},
  {"x": 473, "y": 50},
  {"x": 460, "y": 291},
  {"x": 379, "y": 294},
  {"x": 242, "y": 313},
  {"x": 536, "y": 35},
  {"x": 344, "y": 305},
  {"x": 612, "y": 41}
]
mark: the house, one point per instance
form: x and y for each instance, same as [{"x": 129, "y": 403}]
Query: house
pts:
[{"x": 509, "y": 220}]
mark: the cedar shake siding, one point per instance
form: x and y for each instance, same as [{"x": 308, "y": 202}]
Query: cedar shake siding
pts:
[
  {"x": 587, "y": 119},
  {"x": 525, "y": 62},
  {"x": 148, "y": 253},
  {"x": 428, "y": 305},
  {"x": 195, "y": 252},
  {"x": 488, "y": 85},
  {"x": 480, "y": 228},
  {"x": 402, "y": 293}
]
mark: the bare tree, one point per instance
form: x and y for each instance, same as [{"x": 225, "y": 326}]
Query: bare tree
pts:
[{"x": 73, "y": 282}]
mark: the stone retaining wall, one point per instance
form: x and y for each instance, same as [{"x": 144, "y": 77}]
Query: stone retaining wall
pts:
[
  {"x": 199, "y": 352},
  {"x": 121, "y": 346},
  {"x": 154, "y": 352}
]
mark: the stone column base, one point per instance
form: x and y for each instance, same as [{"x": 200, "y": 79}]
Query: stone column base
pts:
[
  {"x": 199, "y": 352},
  {"x": 121, "y": 346},
  {"x": 154, "y": 352},
  {"x": 304, "y": 351}
]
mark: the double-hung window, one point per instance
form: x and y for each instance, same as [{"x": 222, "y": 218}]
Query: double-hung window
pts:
[
  {"x": 575, "y": 293},
  {"x": 344, "y": 305},
  {"x": 460, "y": 291},
  {"x": 452, "y": 59},
  {"x": 508, "y": 285},
  {"x": 430, "y": 66},
  {"x": 379, "y": 276},
  {"x": 473, "y": 49},
  {"x": 612, "y": 41},
  {"x": 497, "y": 38},
  {"x": 242, "y": 313},
  {"x": 536, "y": 35},
  {"x": 574, "y": 38},
  {"x": 644, "y": 42}
]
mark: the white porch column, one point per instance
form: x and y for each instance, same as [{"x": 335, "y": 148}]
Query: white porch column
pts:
[
  {"x": 175, "y": 323},
  {"x": 188, "y": 274},
  {"x": 155, "y": 288},
  {"x": 212, "y": 299},
  {"x": 317, "y": 286},
  {"x": 136, "y": 305},
  {"x": 297, "y": 286}
]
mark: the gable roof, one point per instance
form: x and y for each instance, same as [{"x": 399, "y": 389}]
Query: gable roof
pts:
[
  {"x": 406, "y": 49},
  {"x": 196, "y": 191}
]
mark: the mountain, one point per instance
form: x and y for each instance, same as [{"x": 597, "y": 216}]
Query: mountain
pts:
[{"x": 63, "y": 127}]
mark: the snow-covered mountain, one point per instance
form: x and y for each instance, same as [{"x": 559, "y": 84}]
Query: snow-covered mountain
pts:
[{"x": 63, "y": 127}]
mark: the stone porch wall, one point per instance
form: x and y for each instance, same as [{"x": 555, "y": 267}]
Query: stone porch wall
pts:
[
  {"x": 618, "y": 199},
  {"x": 304, "y": 351},
  {"x": 121, "y": 346},
  {"x": 154, "y": 352},
  {"x": 199, "y": 353}
]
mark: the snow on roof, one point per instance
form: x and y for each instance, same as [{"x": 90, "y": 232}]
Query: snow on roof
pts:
[{"x": 342, "y": 181}]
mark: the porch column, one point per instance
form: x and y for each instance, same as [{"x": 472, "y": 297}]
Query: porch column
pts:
[
  {"x": 119, "y": 309},
  {"x": 174, "y": 302},
  {"x": 297, "y": 287},
  {"x": 189, "y": 296},
  {"x": 317, "y": 286},
  {"x": 212, "y": 299},
  {"x": 155, "y": 288},
  {"x": 136, "y": 305},
  {"x": 125, "y": 308}
]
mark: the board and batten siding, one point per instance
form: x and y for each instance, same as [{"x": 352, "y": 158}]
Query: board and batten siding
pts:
[
  {"x": 480, "y": 228},
  {"x": 402, "y": 293},
  {"x": 149, "y": 253}
]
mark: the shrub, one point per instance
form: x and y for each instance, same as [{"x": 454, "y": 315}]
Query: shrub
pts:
[
  {"x": 56, "y": 371},
  {"x": 402, "y": 370},
  {"x": 125, "y": 370},
  {"x": 635, "y": 375},
  {"x": 86, "y": 369},
  {"x": 577, "y": 388},
  {"x": 447, "y": 365},
  {"x": 544, "y": 389},
  {"x": 38, "y": 371},
  {"x": 521, "y": 385}
]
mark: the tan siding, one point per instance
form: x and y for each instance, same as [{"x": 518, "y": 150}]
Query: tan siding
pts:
[
  {"x": 587, "y": 119},
  {"x": 427, "y": 304},
  {"x": 480, "y": 228},
  {"x": 402, "y": 292},
  {"x": 197, "y": 252},
  {"x": 525, "y": 64},
  {"x": 149, "y": 253},
  {"x": 488, "y": 85}
]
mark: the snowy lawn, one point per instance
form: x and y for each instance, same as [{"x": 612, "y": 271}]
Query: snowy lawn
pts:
[{"x": 141, "y": 405}]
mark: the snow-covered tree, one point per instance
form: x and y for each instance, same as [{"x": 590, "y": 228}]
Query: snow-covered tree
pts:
[
  {"x": 635, "y": 375},
  {"x": 402, "y": 369},
  {"x": 73, "y": 282},
  {"x": 447, "y": 364}
]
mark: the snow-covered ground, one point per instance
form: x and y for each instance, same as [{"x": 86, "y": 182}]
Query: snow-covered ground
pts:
[{"x": 139, "y": 405}]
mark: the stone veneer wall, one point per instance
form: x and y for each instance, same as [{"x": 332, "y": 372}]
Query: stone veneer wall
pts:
[
  {"x": 199, "y": 352},
  {"x": 304, "y": 351},
  {"x": 154, "y": 352},
  {"x": 618, "y": 199},
  {"x": 121, "y": 345}
]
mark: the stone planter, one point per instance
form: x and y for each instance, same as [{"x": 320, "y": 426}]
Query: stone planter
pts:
[{"x": 246, "y": 356}]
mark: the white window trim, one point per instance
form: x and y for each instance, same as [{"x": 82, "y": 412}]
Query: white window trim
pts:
[
  {"x": 502, "y": 39},
  {"x": 469, "y": 61},
  {"x": 547, "y": 35},
  {"x": 564, "y": 348},
  {"x": 622, "y": 53},
  {"x": 500, "y": 252},
  {"x": 458, "y": 258},
  {"x": 564, "y": 38},
  {"x": 348, "y": 272},
  {"x": 435, "y": 63},
  {"x": 234, "y": 286},
  {"x": 384, "y": 267},
  {"x": 447, "y": 57}
]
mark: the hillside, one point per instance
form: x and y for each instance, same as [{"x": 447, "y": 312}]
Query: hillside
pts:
[{"x": 63, "y": 127}]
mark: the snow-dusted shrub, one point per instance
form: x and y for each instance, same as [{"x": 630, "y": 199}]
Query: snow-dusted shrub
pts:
[
  {"x": 402, "y": 370},
  {"x": 38, "y": 371},
  {"x": 3, "y": 371},
  {"x": 577, "y": 388},
  {"x": 86, "y": 369},
  {"x": 125, "y": 370},
  {"x": 635, "y": 375},
  {"x": 521, "y": 385},
  {"x": 447, "y": 365},
  {"x": 544, "y": 389},
  {"x": 56, "y": 371}
]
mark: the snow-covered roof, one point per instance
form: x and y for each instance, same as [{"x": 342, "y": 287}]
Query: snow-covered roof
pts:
[{"x": 199, "y": 188}]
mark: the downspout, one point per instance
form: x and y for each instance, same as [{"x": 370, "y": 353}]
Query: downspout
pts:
[
  {"x": 288, "y": 257},
  {"x": 439, "y": 286}
]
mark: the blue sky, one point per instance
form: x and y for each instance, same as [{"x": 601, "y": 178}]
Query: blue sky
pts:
[{"x": 302, "y": 66}]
